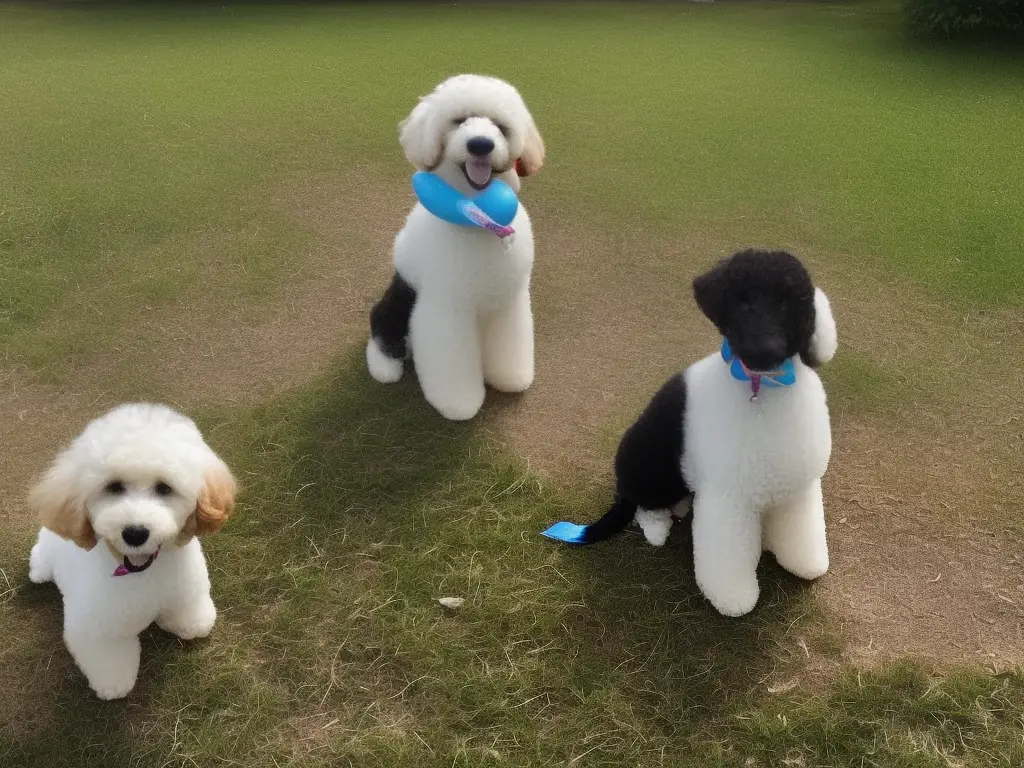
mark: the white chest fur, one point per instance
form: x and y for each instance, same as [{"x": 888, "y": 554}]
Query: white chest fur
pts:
[
  {"x": 464, "y": 264},
  {"x": 765, "y": 450}
]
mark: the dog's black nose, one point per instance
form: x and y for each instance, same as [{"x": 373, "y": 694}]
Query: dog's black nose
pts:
[
  {"x": 480, "y": 146},
  {"x": 135, "y": 535}
]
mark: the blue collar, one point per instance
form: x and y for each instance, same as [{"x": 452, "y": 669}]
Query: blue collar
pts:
[{"x": 783, "y": 377}]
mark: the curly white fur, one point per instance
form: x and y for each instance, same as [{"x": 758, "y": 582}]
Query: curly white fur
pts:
[
  {"x": 140, "y": 470},
  {"x": 471, "y": 322}
]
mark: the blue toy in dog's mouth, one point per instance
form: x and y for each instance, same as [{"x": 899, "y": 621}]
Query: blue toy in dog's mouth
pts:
[
  {"x": 782, "y": 377},
  {"x": 493, "y": 209}
]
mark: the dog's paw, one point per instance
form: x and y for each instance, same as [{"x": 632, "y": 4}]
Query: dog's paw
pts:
[
  {"x": 463, "y": 411},
  {"x": 656, "y": 525},
  {"x": 734, "y": 599},
  {"x": 809, "y": 566},
  {"x": 111, "y": 689},
  {"x": 39, "y": 572},
  {"x": 191, "y": 631},
  {"x": 385, "y": 369},
  {"x": 192, "y": 624},
  {"x": 457, "y": 403},
  {"x": 510, "y": 381}
]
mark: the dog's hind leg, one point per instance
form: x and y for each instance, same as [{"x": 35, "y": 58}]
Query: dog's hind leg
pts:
[
  {"x": 389, "y": 328},
  {"x": 40, "y": 566},
  {"x": 508, "y": 346},
  {"x": 795, "y": 532},
  {"x": 726, "y": 550},
  {"x": 656, "y": 525},
  {"x": 446, "y": 347}
]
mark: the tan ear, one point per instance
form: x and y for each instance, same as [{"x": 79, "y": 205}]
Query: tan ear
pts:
[
  {"x": 56, "y": 501},
  {"x": 216, "y": 501},
  {"x": 532, "y": 159}
]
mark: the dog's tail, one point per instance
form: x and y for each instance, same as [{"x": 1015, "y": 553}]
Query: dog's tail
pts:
[{"x": 614, "y": 521}]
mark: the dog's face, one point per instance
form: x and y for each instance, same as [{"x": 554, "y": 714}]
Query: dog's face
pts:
[
  {"x": 472, "y": 129},
  {"x": 763, "y": 303},
  {"x": 139, "y": 508},
  {"x": 141, "y": 477}
]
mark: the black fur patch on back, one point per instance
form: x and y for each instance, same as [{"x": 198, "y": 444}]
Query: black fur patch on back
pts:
[
  {"x": 647, "y": 465},
  {"x": 389, "y": 318}
]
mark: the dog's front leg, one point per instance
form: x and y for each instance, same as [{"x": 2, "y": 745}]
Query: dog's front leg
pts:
[
  {"x": 726, "y": 550},
  {"x": 508, "y": 346},
  {"x": 446, "y": 350},
  {"x": 795, "y": 532},
  {"x": 189, "y": 619},
  {"x": 110, "y": 664}
]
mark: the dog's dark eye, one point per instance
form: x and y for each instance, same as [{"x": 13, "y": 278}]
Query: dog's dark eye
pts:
[
  {"x": 457, "y": 121},
  {"x": 115, "y": 487},
  {"x": 503, "y": 128},
  {"x": 163, "y": 489}
]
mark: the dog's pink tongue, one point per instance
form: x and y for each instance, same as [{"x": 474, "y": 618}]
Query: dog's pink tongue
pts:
[
  {"x": 138, "y": 560},
  {"x": 479, "y": 171}
]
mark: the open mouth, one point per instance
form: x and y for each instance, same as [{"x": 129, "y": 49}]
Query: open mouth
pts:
[
  {"x": 478, "y": 172},
  {"x": 136, "y": 563}
]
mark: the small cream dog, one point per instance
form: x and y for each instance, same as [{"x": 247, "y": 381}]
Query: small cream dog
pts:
[
  {"x": 121, "y": 508},
  {"x": 459, "y": 301}
]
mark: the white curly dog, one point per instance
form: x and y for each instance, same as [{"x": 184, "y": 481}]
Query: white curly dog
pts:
[
  {"x": 744, "y": 434},
  {"x": 121, "y": 508},
  {"x": 459, "y": 301}
]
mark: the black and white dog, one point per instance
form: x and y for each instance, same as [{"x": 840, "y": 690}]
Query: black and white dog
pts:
[{"x": 744, "y": 432}]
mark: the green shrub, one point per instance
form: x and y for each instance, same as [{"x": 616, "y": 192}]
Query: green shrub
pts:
[{"x": 954, "y": 18}]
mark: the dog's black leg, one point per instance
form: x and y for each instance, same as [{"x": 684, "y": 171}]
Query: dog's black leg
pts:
[{"x": 389, "y": 318}]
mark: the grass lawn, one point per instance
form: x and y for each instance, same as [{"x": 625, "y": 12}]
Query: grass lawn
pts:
[{"x": 196, "y": 206}]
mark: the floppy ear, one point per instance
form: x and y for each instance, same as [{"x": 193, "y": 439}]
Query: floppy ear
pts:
[
  {"x": 56, "y": 500},
  {"x": 216, "y": 500},
  {"x": 821, "y": 347},
  {"x": 532, "y": 159},
  {"x": 419, "y": 136},
  {"x": 214, "y": 503},
  {"x": 709, "y": 291}
]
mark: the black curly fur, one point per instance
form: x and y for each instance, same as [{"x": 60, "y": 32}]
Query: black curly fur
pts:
[
  {"x": 389, "y": 318},
  {"x": 763, "y": 303},
  {"x": 648, "y": 470}
]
